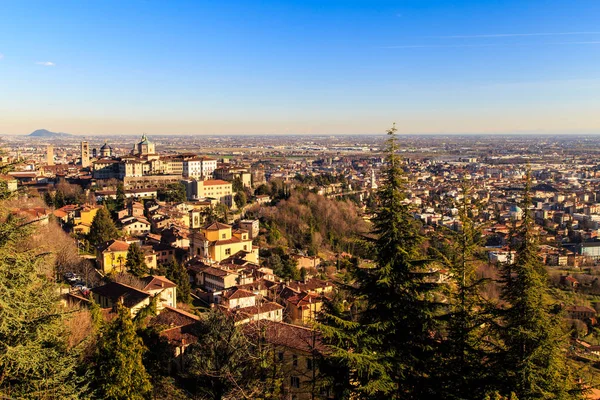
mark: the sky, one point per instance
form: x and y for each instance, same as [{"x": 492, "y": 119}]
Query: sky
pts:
[{"x": 299, "y": 67}]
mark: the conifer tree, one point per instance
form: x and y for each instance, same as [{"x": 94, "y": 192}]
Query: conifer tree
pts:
[
  {"x": 386, "y": 350},
  {"x": 35, "y": 361},
  {"x": 120, "y": 196},
  {"x": 119, "y": 372},
  {"x": 136, "y": 261},
  {"x": 533, "y": 364},
  {"x": 103, "y": 228},
  {"x": 463, "y": 367},
  {"x": 177, "y": 273}
]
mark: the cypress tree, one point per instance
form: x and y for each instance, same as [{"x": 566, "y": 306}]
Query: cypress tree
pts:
[
  {"x": 103, "y": 228},
  {"x": 120, "y": 196},
  {"x": 119, "y": 372},
  {"x": 136, "y": 261},
  {"x": 533, "y": 364}
]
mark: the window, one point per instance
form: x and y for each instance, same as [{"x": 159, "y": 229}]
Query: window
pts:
[
  {"x": 295, "y": 382},
  {"x": 295, "y": 360},
  {"x": 245, "y": 247},
  {"x": 309, "y": 363},
  {"x": 223, "y": 236},
  {"x": 227, "y": 252}
]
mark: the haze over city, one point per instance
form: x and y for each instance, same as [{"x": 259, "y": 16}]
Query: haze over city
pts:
[{"x": 301, "y": 67}]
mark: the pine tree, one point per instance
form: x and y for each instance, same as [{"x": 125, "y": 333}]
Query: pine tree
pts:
[
  {"x": 136, "y": 261},
  {"x": 35, "y": 361},
  {"x": 119, "y": 372},
  {"x": 103, "y": 228},
  {"x": 386, "y": 345},
  {"x": 59, "y": 199},
  {"x": 534, "y": 364},
  {"x": 48, "y": 199}
]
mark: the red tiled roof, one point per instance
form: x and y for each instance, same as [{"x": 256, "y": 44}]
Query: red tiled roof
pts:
[{"x": 157, "y": 282}]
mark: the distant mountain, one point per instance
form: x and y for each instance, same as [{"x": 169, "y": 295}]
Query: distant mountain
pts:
[{"x": 47, "y": 134}]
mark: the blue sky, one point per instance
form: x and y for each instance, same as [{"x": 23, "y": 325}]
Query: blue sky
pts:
[{"x": 333, "y": 67}]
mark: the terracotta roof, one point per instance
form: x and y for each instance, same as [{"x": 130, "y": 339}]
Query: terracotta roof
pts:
[
  {"x": 215, "y": 182},
  {"x": 172, "y": 317},
  {"x": 237, "y": 294},
  {"x": 286, "y": 335},
  {"x": 217, "y": 226},
  {"x": 113, "y": 245},
  {"x": 181, "y": 336},
  {"x": 157, "y": 282},
  {"x": 256, "y": 310}
]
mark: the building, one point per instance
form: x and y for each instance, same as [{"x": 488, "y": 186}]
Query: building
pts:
[
  {"x": 50, "y": 155},
  {"x": 144, "y": 147},
  {"x": 106, "y": 150},
  {"x": 157, "y": 285},
  {"x": 112, "y": 256},
  {"x": 199, "y": 167},
  {"x": 85, "y": 154},
  {"x": 251, "y": 226},
  {"x": 217, "y": 242},
  {"x": 216, "y": 189},
  {"x": 107, "y": 296}
]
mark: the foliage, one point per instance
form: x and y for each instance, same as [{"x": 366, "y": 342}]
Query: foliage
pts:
[
  {"x": 282, "y": 264},
  {"x": 136, "y": 261},
  {"x": 119, "y": 371},
  {"x": 240, "y": 199},
  {"x": 384, "y": 346},
  {"x": 103, "y": 228},
  {"x": 35, "y": 361},
  {"x": 173, "y": 193},
  {"x": 177, "y": 273},
  {"x": 533, "y": 362},
  {"x": 310, "y": 221},
  {"x": 222, "y": 363},
  {"x": 120, "y": 196}
]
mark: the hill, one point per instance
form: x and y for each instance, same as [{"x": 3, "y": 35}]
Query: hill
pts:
[{"x": 46, "y": 133}]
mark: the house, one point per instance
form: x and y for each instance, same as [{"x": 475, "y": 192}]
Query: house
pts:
[
  {"x": 83, "y": 218},
  {"x": 112, "y": 256},
  {"x": 308, "y": 262},
  {"x": 160, "y": 286},
  {"x": 217, "y": 242},
  {"x": 569, "y": 281},
  {"x": 297, "y": 351},
  {"x": 580, "y": 312},
  {"x": 107, "y": 296},
  {"x": 135, "y": 226}
]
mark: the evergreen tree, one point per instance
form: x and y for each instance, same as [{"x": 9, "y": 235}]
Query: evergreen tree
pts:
[
  {"x": 386, "y": 344},
  {"x": 120, "y": 196},
  {"x": 59, "y": 199},
  {"x": 35, "y": 361},
  {"x": 240, "y": 199},
  {"x": 48, "y": 199},
  {"x": 136, "y": 261},
  {"x": 464, "y": 367},
  {"x": 119, "y": 373},
  {"x": 103, "y": 228},
  {"x": 533, "y": 364},
  {"x": 222, "y": 363},
  {"x": 177, "y": 273}
]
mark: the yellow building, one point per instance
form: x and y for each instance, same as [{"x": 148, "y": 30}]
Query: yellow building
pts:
[
  {"x": 112, "y": 256},
  {"x": 217, "y": 242},
  {"x": 82, "y": 221}
]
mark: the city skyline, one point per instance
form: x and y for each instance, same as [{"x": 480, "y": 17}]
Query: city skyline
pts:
[{"x": 300, "y": 68}]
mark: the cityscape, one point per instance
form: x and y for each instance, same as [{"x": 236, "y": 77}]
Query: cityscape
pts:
[{"x": 230, "y": 204}]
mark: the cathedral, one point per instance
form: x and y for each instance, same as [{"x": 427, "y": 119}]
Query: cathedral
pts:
[{"x": 144, "y": 147}]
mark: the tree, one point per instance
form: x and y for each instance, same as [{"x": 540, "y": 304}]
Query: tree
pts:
[
  {"x": 103, "y": 228},
  {"x": 384, "y": 345},
  {"x": 119, "y": 372},
  {"x": 240, "y": 199},
  {"x": 222, "y": 363},
  {"x": 35, "y": 360},
  {"x": 173, "y": 193},
  {"x": 237, "y": 185},
  {"x": 48, "y": 199},
  {"x": 533, "y": 362},
  {"x": 136, "y": 261},
  {"x": 59, "y": 199},
  {"x": 120, "y": 196},
  {"x": 177, "y": 273},
  {"x": 464, "y": 367}
]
